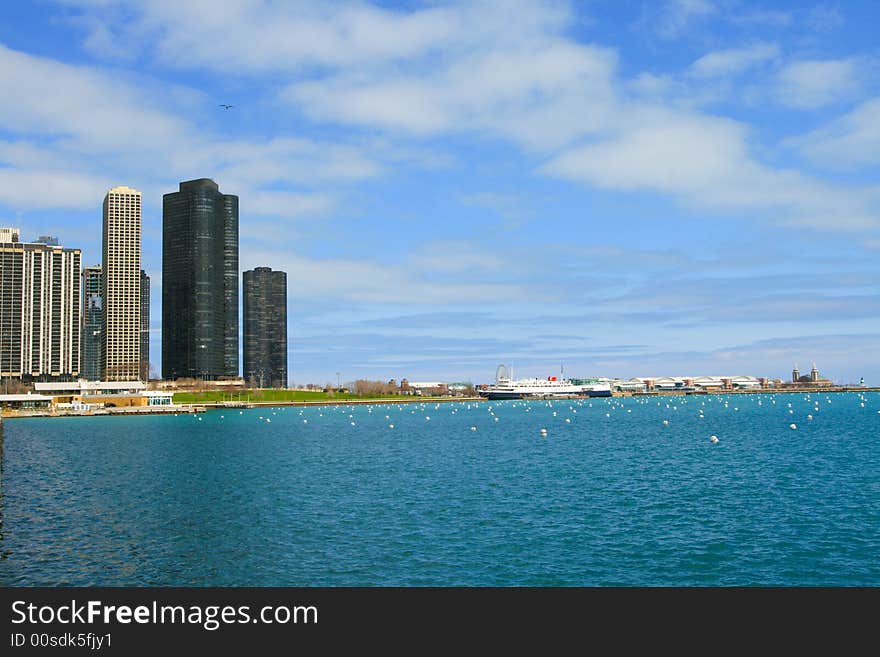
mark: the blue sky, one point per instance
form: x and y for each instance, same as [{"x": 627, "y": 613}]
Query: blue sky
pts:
[{"x": 626, "y": 188}]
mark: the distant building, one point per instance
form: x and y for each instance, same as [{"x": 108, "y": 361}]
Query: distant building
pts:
[
  {"x": 689, "y": 383},
  {"x": 199, "y": 282},
  {"x": 97, "y": 394},
  {"x": 92, "y": 323},
  {"x": 121, "y": 292},
  {"x": 39, "y": 309},
  {"x": 428, "y": 387},
  {"x": 145, "y": 326},
  {"x": 813, "y": 378},
  {"x": 265, "y": 327}
]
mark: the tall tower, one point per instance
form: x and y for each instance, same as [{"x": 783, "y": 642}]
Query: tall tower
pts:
[
  {"x": 795, "y": 374},
  {"x": 92, "y": 322},
  {"x": 265, "y": 327},
  {"x": 121, "y": 337},
  {"x": 814, "y": 374},
  {"x": 199, "y": 282},
  {"x": 145, "y": 326},
  {"x": 39, "y": 309}
]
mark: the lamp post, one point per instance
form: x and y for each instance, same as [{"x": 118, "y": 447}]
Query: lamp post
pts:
[{"x": 338, "y": 384}]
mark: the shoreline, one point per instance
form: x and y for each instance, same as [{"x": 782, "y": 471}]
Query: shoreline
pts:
[{"x": 189, "y": 409}]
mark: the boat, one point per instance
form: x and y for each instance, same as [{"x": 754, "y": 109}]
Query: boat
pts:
[{"x": 506, "y": 387}]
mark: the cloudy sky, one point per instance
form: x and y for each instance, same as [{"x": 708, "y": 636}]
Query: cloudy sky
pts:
[{"x": 622, "y": 188}]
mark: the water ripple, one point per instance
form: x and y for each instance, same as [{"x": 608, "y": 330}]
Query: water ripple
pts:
[{"x": 617, "y": 500}]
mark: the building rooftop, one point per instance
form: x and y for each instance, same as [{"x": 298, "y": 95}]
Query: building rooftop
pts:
[
  {"x": 122, "y": 189},
  {"x": 25, "y": 397},
  {"x": 84, "y": 386}
]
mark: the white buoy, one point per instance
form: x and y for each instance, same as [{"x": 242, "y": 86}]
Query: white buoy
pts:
[
  {"x": 568, "y": 420},
  {"x": 305, "y": 421},
  {"x": 792, "y": 426},
  {"x": 543, "y": 432},
  {"x": 473, "y": 428},
  {"x": 268, "y": 420},
  {"x": 809, "y": 417},
  {"x": 665, "y": 422},
  {"x": 714, "y": 439},
  {"x": 352, "y": 424},
  {"x": 390, "y": 426}
]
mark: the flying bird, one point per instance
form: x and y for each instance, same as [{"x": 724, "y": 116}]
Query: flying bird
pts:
[{"x": 226, "y": 106}]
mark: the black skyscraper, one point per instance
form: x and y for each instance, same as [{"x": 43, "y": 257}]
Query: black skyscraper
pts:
[
  {"x": 145, "y": 326},
  {"x": 265, "y": 327},
  {"x": 199, "y": 282}
]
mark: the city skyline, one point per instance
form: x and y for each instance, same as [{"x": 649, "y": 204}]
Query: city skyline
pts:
[{"x": 628, "y": 190}]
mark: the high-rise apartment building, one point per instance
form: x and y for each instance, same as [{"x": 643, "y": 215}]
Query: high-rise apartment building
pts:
[
  {"x": 265, "y": 327},
  {"x": 199, "y": 282},
  {"x": 92, "y": 323},
  {"x": 39, "y": 309},
  {"x": 121, "y": 336},
  {"x": 145, "y": 326}
]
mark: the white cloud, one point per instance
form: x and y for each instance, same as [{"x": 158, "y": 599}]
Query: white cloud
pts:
[
  {"x": 77, "y": 125},
  {"x": 363, "y": 281},
  {"x": 93, "y": 109},
  {"x": 675, "y": 16},
  {"x": 658, "y": 149},
  {"x": 849, "y": 142},
  {"x": 462, "y": 68},
  {"x": 253, "y": 36},
  {"x": 288, "y": 205},
  {"x": 704, "y": 161},
  {"x": 538, "y": 94},
  {"x": 761, "y": 17},
  {"x": 28, "y": 188},
  {"x": 808, "y": 84},
  {"x": 456, "y": 257},
  {"x": 734, "y": 60}
]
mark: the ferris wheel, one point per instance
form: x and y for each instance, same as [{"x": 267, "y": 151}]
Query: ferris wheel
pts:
[{"x": 502, "y": 373}]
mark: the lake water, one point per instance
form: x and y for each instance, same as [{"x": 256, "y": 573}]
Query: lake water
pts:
[{"x": 611, "y": 496}]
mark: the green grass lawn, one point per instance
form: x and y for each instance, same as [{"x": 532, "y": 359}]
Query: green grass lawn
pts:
[{"x": 268, "y": 396}]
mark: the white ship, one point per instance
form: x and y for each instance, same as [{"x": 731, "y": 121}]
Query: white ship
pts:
[{"x": 506, "y": 387}]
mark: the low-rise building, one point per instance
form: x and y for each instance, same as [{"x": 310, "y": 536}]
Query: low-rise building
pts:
[
  {"x": 27, "y": 401},
  {"x": 428, "y": 387},
  {"x": 86, "y": 395}
]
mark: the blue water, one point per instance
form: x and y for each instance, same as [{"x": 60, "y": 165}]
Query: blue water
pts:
[{"x": 622, "y": 499}]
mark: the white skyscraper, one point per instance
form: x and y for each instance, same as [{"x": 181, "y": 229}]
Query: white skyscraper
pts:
[
  {"x": 120, "y": 353},
  {"x": 39, "y": 309}
]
